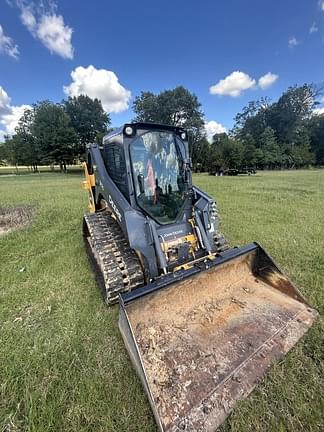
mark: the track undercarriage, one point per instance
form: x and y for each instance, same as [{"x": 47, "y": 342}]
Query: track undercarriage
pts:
[{"x": 116, "y": 266}]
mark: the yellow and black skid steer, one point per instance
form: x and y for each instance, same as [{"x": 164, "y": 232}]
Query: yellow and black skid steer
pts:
[{"x": 202, "y": 322}]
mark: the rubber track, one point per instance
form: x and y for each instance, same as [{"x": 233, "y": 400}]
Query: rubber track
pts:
[{"x": 117, "y": 266}]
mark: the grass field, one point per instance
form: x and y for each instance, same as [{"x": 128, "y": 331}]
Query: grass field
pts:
[{"x": 63, "y": 365}]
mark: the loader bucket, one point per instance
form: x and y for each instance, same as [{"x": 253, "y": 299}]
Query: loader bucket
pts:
[{"x": 201, "y": 339}]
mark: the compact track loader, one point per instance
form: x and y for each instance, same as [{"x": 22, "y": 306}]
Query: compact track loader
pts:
[{"x": 202, "y": 322}]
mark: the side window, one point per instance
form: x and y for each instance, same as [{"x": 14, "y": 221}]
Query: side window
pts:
[{"x": 116, "y": 166}]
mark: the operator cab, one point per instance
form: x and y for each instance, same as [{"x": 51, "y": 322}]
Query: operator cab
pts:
[{"x": 159, "y": 163}]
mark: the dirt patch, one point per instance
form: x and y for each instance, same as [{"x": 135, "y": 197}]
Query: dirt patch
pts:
[{"x": 12, "y": 218}]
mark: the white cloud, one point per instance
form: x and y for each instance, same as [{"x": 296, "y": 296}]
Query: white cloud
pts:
[
  {"x": 4, "y": 102},
  {"x": 313, "y": 28},
  {"x": 27, "y": 18},
  {"x": 10, "y": 121},
  {"x": 55, "y": 35},
  {"x": 292, "y": 42},
  {"x": 101, "y": 84},
  {"x": 212, "y": 128},
  {"x": 267, "y": 80},
  {"x": 9, "y": 114},
  {"x": 318, "y": 111},
  {"x": 47, "y": 26},
  {"x": 321, "y": 4},
  {"x": 237, "y": 82},
  {"x": 7, "y": 45},
  {"x": 233, "y": 85}
]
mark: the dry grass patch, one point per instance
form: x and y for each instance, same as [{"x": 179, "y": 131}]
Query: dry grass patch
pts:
[{"x": 12, "y": 218}]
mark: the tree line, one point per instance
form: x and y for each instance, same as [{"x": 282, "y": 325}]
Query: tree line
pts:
[
  {"x": 51, "y": 133},
  {"x": 282, "y": 134},
  {"x": 266, "y": 135}
]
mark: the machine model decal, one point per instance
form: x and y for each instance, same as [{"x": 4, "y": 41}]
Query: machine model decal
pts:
[{"x": 114, "y": 207}]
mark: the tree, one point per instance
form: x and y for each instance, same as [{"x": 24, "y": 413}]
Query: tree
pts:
[
  {"x": 28, "y": 148},
  {"x": 200, "y": 156},
  {"x": 301, "y": 152},
  {"x": 225, "y": 152},
  {"x": 53, "y": 134},
  {"x": 301, "y": 155},
  {"x": 88, "y": 119},
  {"x": 177, "y": 107},
  {"x": 233, "y": 153},
  {"x": 10, "y": 150},
  {"x": 280, "y": 130},
  {"x": 292, "y": 109},
  {"x": 270, "y": 148},
  {"x": 316, "y": 135},
  {"x": 250, "y": 154},
  {"x": 147, "y": 109},
  {"x": 215, "y": 158},
  {"x": 252, "y": 121}
]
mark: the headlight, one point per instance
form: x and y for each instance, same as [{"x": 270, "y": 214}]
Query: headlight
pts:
[
  {"x": 129, "y": 130},
  {"x": 183, "y": 136}
]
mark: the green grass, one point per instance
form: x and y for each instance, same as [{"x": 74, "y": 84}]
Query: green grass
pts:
[{"x": 63, "y": 365}]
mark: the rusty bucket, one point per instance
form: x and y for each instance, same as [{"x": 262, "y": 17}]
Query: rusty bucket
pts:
[{"x": 202, "y": 340}]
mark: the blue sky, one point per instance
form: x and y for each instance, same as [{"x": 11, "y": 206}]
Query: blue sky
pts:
[{"x": 114, "y": 49}]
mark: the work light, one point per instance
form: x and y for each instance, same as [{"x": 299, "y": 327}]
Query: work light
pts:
[{"x": 129, "y": 131}]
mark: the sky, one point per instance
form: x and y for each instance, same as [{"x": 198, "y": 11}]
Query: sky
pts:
[{"x": 227, "y": 52}]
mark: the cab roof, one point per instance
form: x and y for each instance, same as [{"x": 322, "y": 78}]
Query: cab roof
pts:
[{"x": 144, "y": 126}]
